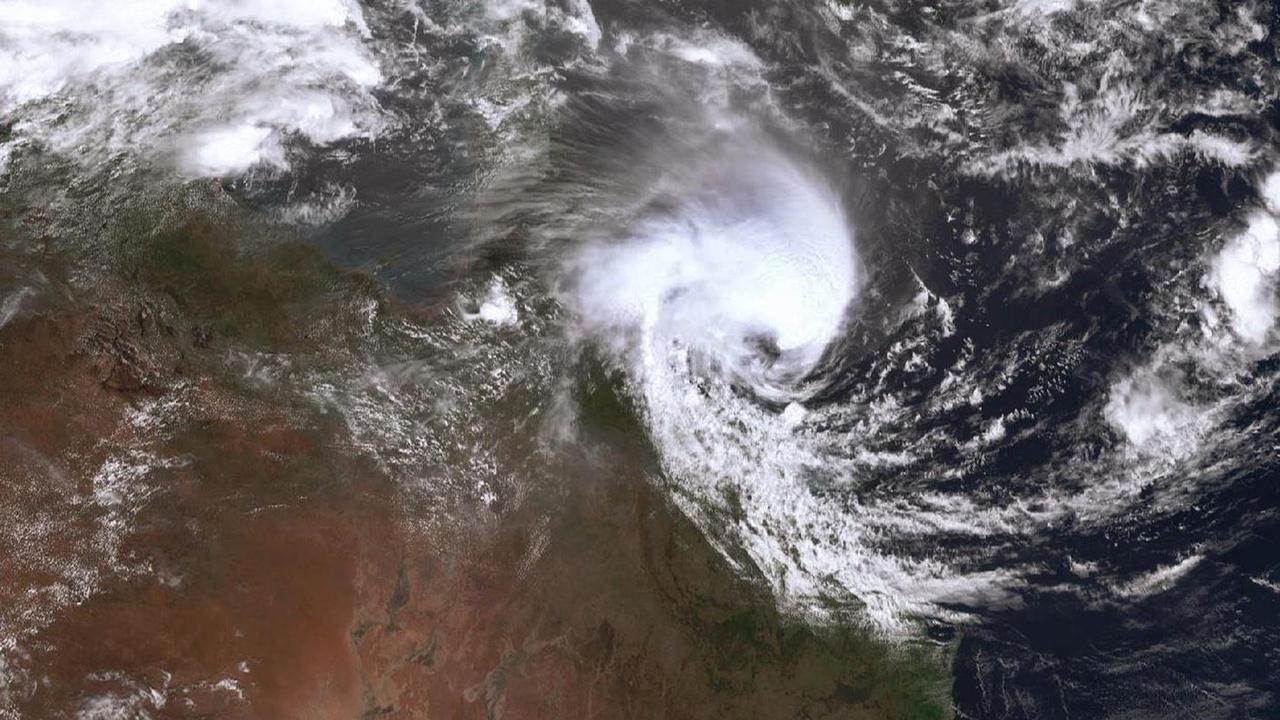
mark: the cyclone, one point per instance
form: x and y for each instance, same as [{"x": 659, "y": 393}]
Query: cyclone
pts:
[
  {"x": 595, "y": 358},
  {"x": 744, "y": 266}
]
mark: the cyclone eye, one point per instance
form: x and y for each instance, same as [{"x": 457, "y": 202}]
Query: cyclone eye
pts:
[{"x": 765, "y": 346}]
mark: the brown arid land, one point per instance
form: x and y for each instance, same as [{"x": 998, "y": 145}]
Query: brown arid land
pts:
[{"x": 185, "y": 535}]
